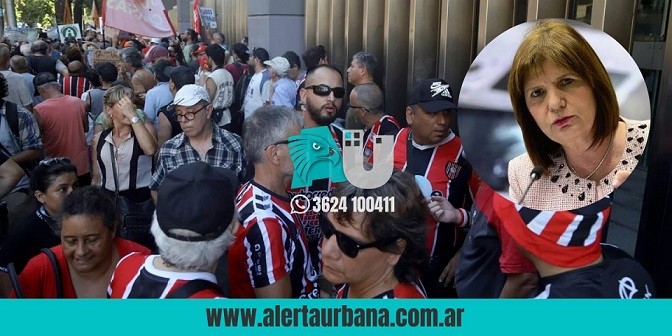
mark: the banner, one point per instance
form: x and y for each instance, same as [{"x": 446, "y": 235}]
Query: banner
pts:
[
  {"x": 148, "y": 18},
  {"x": 208, "y": 17},
  {"x": 68, "y": 31},
  {"x": 100, "y": 56},
  {"x": 197, "y": 17}
]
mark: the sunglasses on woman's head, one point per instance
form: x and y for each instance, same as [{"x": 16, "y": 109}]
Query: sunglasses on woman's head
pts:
[
  {"x": 324, "y": 90},
  {"x": 348, "y": 245},
  {"x": 56, "y": 160}
]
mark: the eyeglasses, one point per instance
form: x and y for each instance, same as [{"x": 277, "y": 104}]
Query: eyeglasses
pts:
[
  {"x": 283, "y": 142},
  {"x": 324, "y": 90},
  {"x": 54, "y": 161},
  {"x": 189, "y": 116},
  {"x": 348, "y": 245},
  {"x": 356, "y": 107}
]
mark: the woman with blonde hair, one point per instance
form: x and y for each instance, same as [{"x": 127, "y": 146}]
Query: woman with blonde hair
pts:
[{"x": 122, "y": 155}]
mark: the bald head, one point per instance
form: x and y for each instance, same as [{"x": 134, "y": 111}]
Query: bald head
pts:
[
  {"x": 18, "y": 64},
  {"x": 76, "y": 68},
  {"x": 370, "y": 96}
]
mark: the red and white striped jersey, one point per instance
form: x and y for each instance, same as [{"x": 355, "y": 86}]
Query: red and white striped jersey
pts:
[
  {"x": 269, "y": 245},
  {"x": 137, "y": 277}
]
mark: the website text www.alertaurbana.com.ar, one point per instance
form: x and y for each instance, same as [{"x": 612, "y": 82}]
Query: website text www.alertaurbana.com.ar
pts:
[{"x": 343, "y": 316}]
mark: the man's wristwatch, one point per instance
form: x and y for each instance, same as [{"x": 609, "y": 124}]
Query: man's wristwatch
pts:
[{"x": 135, "y": 120}]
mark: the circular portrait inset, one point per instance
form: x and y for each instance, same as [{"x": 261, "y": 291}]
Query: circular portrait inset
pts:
[{"x": 554, "y": 114}]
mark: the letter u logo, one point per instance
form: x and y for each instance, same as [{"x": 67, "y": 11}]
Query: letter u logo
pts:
[{"x": 353, "y": 160}]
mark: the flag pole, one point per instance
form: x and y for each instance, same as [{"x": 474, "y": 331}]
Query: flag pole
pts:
[
  {"x": 102, "y": 29},
  {"x": 102, "y": 22}
]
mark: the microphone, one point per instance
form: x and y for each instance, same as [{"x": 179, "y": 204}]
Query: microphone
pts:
[{"x": 535, "y": 174}]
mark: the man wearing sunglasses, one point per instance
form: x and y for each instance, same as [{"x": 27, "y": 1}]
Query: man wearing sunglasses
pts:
[
  {"x": 200, "y": 140},
  {"x": 322, "y": 97},
  {"x": 366, "y": 107},
  {"x": 429, "y": 148},
  {"x": 270, "y": 255}
]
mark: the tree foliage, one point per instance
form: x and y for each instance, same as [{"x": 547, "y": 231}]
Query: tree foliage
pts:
[{"x": 34, "y": 12}]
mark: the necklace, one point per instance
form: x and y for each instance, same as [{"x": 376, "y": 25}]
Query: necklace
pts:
[{"x": 569, "y": 165}]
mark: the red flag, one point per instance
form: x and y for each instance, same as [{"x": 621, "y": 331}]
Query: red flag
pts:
[
  {"x": 197, "y": 16},
  {"x": 142, "y": 17}
]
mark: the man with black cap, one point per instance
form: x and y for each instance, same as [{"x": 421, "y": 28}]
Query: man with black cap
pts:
[
  {"x": 193, "y": 227},
  {"x": 429, "y": 148},
  {"x": 168, "y": 126},
  {"x": 259, "y": 89}
]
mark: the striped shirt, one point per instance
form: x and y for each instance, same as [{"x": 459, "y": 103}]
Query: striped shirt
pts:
[
  {"x": 269, "y": 246},
  {"x": 450, "y": 175},
  {"x": 75, "y": 85},
  {"x": 387, "y": 124},
  {"x": 226, "y": 152},
  {"x": 137, "y": 277}
]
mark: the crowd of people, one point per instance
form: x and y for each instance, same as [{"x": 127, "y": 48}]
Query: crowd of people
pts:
[{"x": 199, "y": 134}]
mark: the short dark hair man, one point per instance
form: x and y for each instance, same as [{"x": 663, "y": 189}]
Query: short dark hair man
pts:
[
  {"x": 321, "y": 97},
  {"x": 428, "y": 147}
]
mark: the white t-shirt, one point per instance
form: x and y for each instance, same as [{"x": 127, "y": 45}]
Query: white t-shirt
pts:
[
  {"x": 224, "y": 95},
  {"x": 253, "y": 98}
]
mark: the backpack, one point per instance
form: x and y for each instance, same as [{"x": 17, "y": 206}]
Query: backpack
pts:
[
  {"x": 239, "y": 91},
  {"x": 12, "y": 115}
]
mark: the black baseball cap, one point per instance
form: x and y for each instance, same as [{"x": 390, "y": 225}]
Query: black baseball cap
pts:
[
  {"x": 197, "y": 197},
  {"x": 160, "y": 67},
  {"x": 43, "y": 78},
  {"x": 433, "y": 95},
  {"x": 259, "y": 53}
]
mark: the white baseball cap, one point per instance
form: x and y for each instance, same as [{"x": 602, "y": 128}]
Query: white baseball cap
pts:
[
  {"x": 279, "y": 65},
  {"x": 155, "y": 40},
  {"x": 190, "y": 95}
]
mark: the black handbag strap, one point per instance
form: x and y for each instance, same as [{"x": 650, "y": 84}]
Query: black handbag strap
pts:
[
  {"x": 14, "y": 277},
  {"x": 192, "y": 287},
  {"x": 57, "y": 271},
  {"x": 114, "y": 171}
]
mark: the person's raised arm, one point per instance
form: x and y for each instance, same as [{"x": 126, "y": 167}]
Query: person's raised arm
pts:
[{"x": 144, "y": 132}]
